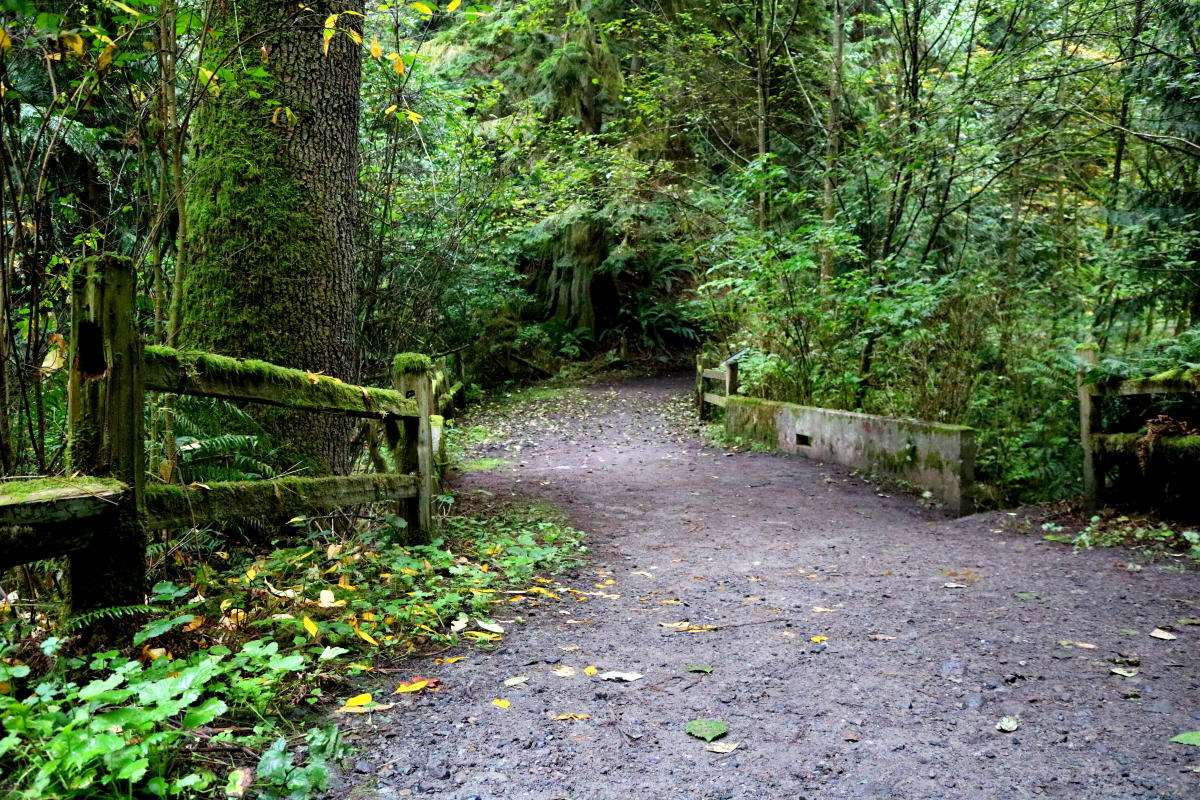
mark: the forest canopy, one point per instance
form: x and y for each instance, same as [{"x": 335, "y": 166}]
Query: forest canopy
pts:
[{"x": 916, "y": 208}]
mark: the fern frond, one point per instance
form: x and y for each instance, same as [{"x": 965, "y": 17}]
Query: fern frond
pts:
[{"x": 112, "y": 612}]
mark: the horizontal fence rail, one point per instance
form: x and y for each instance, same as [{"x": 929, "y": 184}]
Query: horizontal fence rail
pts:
[
  {"x": 181, "y": 506},
  {"x": 207, "y": 375}
]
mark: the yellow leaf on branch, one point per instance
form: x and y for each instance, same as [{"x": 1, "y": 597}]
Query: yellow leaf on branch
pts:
[{"x": 73, "y": 41}]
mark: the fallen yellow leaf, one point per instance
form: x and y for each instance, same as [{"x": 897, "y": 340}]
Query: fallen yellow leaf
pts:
[
  {"x": 569, "y": 717},
  {"x": 448, "y": 660},
  {"x": 366, "y": 637},
  {"x": 819, "y": 639},
  {"x": 364, "y": 709},
  {"x": 310, "y": 626},
  {"x": 589, "y": 671},
  {"x": 359, "y": 700},
  {"x": 501, "y": 703},
  {"x": 415, "y": 686}
]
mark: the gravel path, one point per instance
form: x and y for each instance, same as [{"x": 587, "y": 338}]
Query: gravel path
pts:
[{"x": 860, "y": 646}]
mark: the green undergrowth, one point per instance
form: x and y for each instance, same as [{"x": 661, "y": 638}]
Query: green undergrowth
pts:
[
  {"x": 1151, "y": 537},
  {"x": 224, "y": 692}
]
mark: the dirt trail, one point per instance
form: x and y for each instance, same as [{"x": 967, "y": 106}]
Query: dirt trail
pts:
[{"x": 936, "y": 629}]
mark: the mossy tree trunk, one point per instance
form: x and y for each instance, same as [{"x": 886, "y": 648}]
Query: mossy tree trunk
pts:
[
  {"x": 272, "y": 206},
  {"x": 576, "y": 284}
]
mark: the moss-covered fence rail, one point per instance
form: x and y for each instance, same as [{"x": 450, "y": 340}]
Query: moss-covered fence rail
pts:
[
  {"x": 99, "y": 516},
  {"x": 1177, "y": 457}
]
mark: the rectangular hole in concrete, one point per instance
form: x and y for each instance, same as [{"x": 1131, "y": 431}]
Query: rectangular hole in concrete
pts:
[{"x": 803, "y": 440}]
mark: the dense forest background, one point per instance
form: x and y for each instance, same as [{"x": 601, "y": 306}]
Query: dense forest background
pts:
[{"x": 915, "y": 208}]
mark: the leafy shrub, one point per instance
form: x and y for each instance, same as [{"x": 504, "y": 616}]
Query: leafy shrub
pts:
[{"x": 126, "y": 729}]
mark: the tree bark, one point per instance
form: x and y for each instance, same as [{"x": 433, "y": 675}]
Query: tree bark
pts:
[
  {"x": 833, "y": 131},
  {"x": 272, "y": 207}
]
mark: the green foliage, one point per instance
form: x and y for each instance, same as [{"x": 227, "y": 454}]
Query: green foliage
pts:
[
  {"x": 129, "y": 727},
  {"x": 113, "y": 612},
  {"x": 126, "y": 729},
  {"x": 1151, "y": 536}
]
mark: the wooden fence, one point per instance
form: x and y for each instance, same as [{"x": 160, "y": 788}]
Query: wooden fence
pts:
[
  {"x": 1098, "y": 448},
  {"x": 726, "y": 378},
  {"x": 98, "y": 517}
]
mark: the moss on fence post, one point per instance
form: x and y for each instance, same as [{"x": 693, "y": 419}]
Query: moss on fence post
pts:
[
  {"x": 411, "y": 376},
  {"x": 105, "y": 440}
]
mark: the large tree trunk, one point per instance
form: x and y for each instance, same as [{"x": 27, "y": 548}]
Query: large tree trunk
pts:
[{"x": 272, "y": 207}]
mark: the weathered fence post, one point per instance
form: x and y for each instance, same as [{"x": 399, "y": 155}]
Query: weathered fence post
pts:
[
  {"x": 701, "y": 407},
  {"x": 1089, "y": 423},
  {"x": 411, "y": 375},
  {"x": 106, "y": 440},
  {"x": 731, "y": 378}
]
